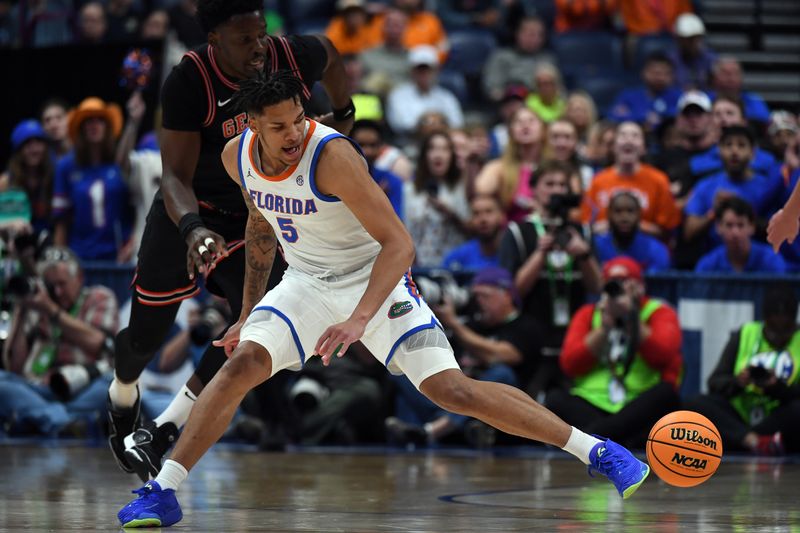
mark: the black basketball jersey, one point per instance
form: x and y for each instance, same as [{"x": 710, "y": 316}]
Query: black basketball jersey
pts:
[{"x": 196, "y": 96}]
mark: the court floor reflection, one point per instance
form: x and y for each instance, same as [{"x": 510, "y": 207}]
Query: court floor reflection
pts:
[{"x": 378, "y": 490}]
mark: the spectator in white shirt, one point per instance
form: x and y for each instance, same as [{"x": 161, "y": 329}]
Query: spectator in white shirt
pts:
[{"x": 408, "y": 101}]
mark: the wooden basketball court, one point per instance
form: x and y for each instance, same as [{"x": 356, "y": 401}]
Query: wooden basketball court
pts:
[{"x": 77, "y": 488}]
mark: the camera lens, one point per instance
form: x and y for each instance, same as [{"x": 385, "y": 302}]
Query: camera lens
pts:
[
  {"x": 21, "y": 286},
  {"x": 613, "y": 288}
]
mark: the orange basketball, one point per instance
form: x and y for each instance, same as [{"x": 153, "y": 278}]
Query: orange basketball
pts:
[{"x": 684, "y": 448}]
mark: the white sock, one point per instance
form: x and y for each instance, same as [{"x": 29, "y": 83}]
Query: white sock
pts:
[
  {"x": 171, "y": 475},
  {"x": 123, "y": 394},
  {"x": 178, "y": 409},
  {"x": 580, "y": 444}
]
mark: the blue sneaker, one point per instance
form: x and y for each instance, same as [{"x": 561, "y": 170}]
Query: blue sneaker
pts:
[
  {"x": 619, "y": 465},
  {"x": 153, "y": 508}
]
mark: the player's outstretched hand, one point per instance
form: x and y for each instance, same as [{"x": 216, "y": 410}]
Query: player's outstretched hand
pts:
[
  {"x": 782, "y": 227},
  {"x": 230, "y": 340},
  {"x": 337, "y": 339},
  {"x": 203, "y": 247}
]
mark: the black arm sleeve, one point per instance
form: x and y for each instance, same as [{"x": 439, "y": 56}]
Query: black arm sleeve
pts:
[
  {"x": 183, "y": 99},
  {"x": 723, "y": 381}
]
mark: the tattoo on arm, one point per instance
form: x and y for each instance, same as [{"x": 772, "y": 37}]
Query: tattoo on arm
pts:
[{"x": 260, "y": 245}]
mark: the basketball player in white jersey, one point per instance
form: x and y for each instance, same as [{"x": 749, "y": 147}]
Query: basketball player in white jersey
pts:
[{"x": 348, "y": 279}]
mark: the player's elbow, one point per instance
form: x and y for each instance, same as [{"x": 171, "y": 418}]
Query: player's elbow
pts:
[
  {"x": 401, "y": 248},
  {"x": 407, "y": 249}
]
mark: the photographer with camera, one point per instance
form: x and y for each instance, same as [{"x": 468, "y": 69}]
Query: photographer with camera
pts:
[
  {"x": 58, "y": 348},
  {"x": 754, "y": 392},
  {"x": 499, "y": 344},
  {"x": 552, "y": 263},
  {"x": 624, "y": 356}
]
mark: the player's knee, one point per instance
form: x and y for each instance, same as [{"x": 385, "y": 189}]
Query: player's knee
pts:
[
  {"x": 135, "y": 346},
  {"x": 248, "y": 366},
  {"x": 450, "y": 390}
]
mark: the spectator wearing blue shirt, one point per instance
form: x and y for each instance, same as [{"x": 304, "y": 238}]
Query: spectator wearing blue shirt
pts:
[
  {"x": 737, "y": 179},
  {"x": 624, "y": 237},
  {"x": 369, "y": 136},
  {"x": 726, "y": 112},
  {"x": 691, "y": 57},
  {"x": 738, "y": 252},
  {"x": 488, "y": 224},
  {"x": 727, "y": 81},
  {"x": 91, "y": 203},
  {"x": 653, "y": 101}
]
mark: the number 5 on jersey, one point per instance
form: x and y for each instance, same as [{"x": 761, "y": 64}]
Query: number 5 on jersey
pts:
[{"x": 288, "y": 231}]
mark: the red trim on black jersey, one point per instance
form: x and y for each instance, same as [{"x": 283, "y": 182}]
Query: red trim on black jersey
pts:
[
  {"x": 218, "y": 72},
  {"x": 212, "y": 106},
  {"x": 293, "y": 64},
  {"x": 273, "y": 55}
]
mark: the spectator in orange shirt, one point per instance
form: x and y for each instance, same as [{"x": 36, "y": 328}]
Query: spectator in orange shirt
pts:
[
  {"x": 652, "y": 16},
  {"x": 423, "y": 27},
  {"x": 349, "y": 30},
  {"x": 651, "y": 186},
  {"x": 582, "y": 15}
]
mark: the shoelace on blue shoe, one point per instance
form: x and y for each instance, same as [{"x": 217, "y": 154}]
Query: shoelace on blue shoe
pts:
[
  {"x": 144, "y": 491},
  {"x": 607, "y": 462}
]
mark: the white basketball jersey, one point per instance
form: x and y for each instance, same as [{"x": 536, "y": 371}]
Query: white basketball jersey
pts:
[{"x": 319, "y": 234}]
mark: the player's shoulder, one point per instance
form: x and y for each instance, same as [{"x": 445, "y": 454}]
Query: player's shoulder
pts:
[
  {"x": 232, "y": 146},
  {"x": 189, "y": 68},
  {"x": 305, "y": 40},
  {"x": 332, "y": 141}
]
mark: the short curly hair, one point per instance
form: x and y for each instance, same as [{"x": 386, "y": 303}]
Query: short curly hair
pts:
[
  {"x": 265, "y": 90},
  {"x": 212, "y": 13}
]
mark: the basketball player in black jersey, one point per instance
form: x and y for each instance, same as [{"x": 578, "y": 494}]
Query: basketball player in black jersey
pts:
[{"x": 196, "y": 226}]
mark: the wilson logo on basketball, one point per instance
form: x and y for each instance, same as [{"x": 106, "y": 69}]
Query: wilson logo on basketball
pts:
[
  {"x": 690, "y": 462},
  {"x": 692, "y": 436}
]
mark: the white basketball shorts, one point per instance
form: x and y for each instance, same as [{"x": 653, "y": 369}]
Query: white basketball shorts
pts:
[{"x": 291, "y": 318}]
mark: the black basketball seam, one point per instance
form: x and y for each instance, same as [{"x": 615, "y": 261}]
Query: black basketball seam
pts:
[
  {"x": 685, "y": 448},
  {"x": 672, "y": 471},
  {"x": 695, "y": 423}
]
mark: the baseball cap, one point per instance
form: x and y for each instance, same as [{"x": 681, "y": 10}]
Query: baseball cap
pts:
[
  {"x": 497, "y": 277},
  {"x": 514, "y": 92},
  {"x": 622, "y": 267},
  {"x": 696, "y": 98},
  {"x": 25, "y": 131},
  {"x": 782, "y": 120},
  {"x": 423, "y": 55},
  {"x": 689, "y": 25}
]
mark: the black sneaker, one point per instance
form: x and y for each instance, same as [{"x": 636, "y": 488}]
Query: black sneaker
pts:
[
  {"x": 122, "y": 421},
  {"x": 400, "y": 432},
  {"x": 145, "y": 448}
]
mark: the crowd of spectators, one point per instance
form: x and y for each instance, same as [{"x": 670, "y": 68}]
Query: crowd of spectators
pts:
[{"x": 537, "y": 191}]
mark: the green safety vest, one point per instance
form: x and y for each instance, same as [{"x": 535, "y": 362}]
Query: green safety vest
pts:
[
  {"x": 754, "y": 350},
  {"x": 594, "y": 386}
]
